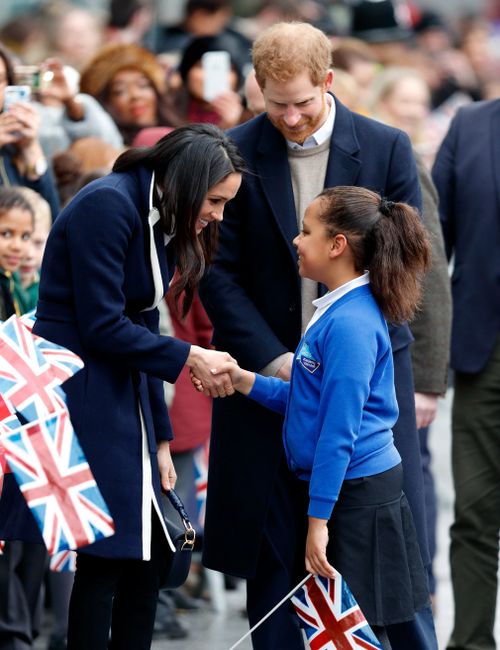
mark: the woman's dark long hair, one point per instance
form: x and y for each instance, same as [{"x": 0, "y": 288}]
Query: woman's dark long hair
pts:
[
  {"x": 387, "y": 239},
  {"x": 9, "y": 67},
  {"x": 187, "y": 163}
]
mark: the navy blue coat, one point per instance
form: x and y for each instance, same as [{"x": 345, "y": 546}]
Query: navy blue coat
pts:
[
  {"x": 96, "y": 292},
  {"x": 252, "y": 295},
  {"x": 467, "y": 175}
]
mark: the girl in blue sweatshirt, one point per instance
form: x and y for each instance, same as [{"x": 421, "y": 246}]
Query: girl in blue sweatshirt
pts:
[{"x": 340, "y": 404}]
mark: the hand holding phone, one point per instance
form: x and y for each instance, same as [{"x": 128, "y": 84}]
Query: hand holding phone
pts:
[
  {"x": 14, "y": 94},
  {"x": 216, "y": 68}
]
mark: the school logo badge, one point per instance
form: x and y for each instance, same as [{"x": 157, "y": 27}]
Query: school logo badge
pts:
[{"x": 306, "y": 359}]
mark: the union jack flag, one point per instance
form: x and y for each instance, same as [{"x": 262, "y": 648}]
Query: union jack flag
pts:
[
  {"x": 4, "y": 468},
  {"x": 330, "y": 616},
  {"x": 28, "y": 319},
  {"x": 8, "y": 419},
  {"x": 32, "y": 369},
  {"x": 200, "y": 460},
  {"x": 63, "y": 561},
  {"x": 57, "y": 484}
]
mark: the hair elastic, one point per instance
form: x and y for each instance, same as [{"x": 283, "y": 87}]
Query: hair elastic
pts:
[{"x": 386, "y": 206}]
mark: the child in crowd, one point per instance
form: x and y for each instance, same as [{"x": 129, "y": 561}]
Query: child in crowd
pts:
[
  {"x": 16, "y": 229},
  {"x": 28, "y": 271},
  {"x": 340, "y": 404}
]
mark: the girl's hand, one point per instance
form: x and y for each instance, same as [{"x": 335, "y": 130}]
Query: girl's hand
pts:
[
  {"x": 228, "y": 105},
  {"x": 317, "y": 541},
  {"x": 168, "y": 475},
  {"x": 242, "y": 380}
]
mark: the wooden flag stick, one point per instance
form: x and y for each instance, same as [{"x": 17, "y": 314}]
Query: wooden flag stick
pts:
[{"x": 289, "y": 595}]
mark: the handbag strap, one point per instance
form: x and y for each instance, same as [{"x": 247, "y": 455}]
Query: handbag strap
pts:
[
  {"x": 174, "y": 499},
  {"x": 190, "y": 534}
]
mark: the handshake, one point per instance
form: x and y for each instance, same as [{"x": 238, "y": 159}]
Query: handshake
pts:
[{"x": 217, "y": 374}]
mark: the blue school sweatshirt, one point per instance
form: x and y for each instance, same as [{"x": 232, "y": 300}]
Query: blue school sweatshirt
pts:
[{"x": 340, "y": 403}]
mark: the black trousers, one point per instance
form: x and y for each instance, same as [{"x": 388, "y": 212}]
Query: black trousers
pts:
[
  {"x": 21, "y": 574},
  {"x": 280, "y": 567},
  {"x": 117, "y": 595},
  {"x": 475, "y": 530}
]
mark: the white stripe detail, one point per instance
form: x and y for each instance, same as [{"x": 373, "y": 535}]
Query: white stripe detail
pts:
[
  {"x": 147, "y": 493},
  {"x": 153, "y": 218}
]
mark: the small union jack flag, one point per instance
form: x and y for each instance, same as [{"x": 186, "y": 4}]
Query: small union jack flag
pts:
[
  {"x": 57, "y": 484},
  {"x": 8, "y": 419},
  {"x": 29, "y": 319},
  {"x": 32, "y": 369},
  {"x": 63, "y": 561},
  {"x": 331, "y": 617},
  {"x": 200, "y": 460}
]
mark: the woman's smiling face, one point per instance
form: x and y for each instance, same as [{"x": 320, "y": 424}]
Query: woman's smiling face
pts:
[{"x": 217, "y": 196}]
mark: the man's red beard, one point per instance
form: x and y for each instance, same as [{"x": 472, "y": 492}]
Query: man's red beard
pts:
[{"x": 305, "y": 127}]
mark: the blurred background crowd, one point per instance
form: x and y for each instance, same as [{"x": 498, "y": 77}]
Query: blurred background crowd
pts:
[{"x": 106, "y": 75}]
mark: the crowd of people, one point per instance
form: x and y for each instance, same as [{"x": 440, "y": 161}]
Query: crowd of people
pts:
[{"x": 120, "y": 148}]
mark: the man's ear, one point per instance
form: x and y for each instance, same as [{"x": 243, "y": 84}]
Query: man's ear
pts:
[{"x": 327, "y": 84}]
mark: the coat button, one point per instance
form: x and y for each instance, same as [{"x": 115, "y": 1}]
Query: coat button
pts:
[{"x": 292, "y": 307}]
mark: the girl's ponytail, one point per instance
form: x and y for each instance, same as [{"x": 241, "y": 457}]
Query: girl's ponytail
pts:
[{"x": 399, "y": 255}]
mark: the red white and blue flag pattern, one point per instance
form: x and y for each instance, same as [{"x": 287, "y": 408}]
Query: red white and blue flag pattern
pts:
[
  {"x": 63, "y": 561},
  {"x": 57, "y": 484},
  {"x": 200, "y": 460},
  {"x": 330, "y": 616},
  {"x": 32, "y": 369},
  {"x": 38, "y": 443}
]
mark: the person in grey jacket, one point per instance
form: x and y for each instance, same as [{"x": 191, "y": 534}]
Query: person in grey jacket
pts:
[
  {"x": 67, "y": 115},
  {"x": 430, "y": 351}
]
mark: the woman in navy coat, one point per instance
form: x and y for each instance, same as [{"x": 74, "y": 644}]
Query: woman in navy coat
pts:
[{"x": 108, "y": 262}]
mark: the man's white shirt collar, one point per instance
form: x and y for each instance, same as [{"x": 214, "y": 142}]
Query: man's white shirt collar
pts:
[
  {"x": 323, "y": 133},
  {"x": 326, "y": 301}
]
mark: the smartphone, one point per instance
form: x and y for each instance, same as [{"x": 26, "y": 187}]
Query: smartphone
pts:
[
  {"x": 14, "y": 94},
  {"x": 33, "y": 76},
  {"x": 216, "y": 68},
  {"x": 27, "y": 75}
]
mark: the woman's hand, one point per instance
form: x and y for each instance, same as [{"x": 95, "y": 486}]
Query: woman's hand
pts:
[
  {"x": 9, "y": 128},
  {"x": 228, "y": 105},
  {"x": 58, "y": 91},
  {"x": 317, "y": 541},
  {"x": 201, "y": 362},
  {"x": 56, "y": 87},
  {"x": 168, "y": 475},
  {"x": 28, "y": 123}
]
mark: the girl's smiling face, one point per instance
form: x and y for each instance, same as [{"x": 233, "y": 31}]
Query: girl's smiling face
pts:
[
  {"x": 313, "y": 245},
  {"x": 16, "y": 228}
]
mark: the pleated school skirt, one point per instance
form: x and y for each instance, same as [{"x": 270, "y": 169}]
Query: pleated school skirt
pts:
[{"x": 373, "y": 544}]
